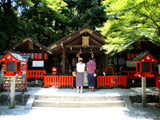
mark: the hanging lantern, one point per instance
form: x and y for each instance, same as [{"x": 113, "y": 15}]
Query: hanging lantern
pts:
[
  {"x": 46, "y": 56},
  {"x": 128, "y": 56},
  {"x": 40, "y": 56},
  {"x": 32, "y": 56},
  {"x": 20, "y": 53},
  {"x": 132, "y": 56},
  {"x": 36, "y": 56}
]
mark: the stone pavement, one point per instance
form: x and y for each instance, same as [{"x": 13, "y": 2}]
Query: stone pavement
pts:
[
  {"x": 104, "y": 92},
  {"x": 137, "y": 113}
]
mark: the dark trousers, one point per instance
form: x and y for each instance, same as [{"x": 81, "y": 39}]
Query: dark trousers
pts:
[{"x": 91, "y": 80}]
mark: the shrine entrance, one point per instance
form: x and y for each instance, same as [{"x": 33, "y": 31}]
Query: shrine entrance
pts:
[
  {"x": 83, "y": 43},
  {"x": 85, "y": 53}
]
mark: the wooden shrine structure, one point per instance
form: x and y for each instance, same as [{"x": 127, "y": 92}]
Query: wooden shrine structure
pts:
[
  {"x": 122, "y": 61},
  {"x": 38, "y": 53},
  {"x": 144, "y": 64},
  {"x": 83, "y": 43},
  {"x": 40, "y": 57},
  {"x": 14, "y": 64},
  {"x": 144, "y": 69}
]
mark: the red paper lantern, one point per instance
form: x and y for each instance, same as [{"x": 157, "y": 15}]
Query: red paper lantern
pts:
[
  {"x": 46, "y": 56},
  {"x": 40, "y": 56},
  {"x": 132, "y": 56},
  {"x": 20, "y": 53},
  {"x": 36, "y": 56},
  {"x": 32, "y": 56},
  {"x": 128, "y": 56}
]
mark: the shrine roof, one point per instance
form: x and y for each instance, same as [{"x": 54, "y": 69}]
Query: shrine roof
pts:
[
  {"x": 144, "y": 57},
  {"x": 26, "y": 57},
  {"x": 140, "y": 45},
  {"x": 140, "y": 56},
  {"x": 75, "y": 39},
  {"x": 24, "y": 45},
  {"x": 17, "y": 56}
]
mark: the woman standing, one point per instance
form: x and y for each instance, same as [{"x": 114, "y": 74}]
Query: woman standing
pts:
[{"x": 80, "y": 67}]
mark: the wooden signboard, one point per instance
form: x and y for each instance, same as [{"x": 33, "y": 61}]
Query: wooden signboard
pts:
[{"x": 85, "y": 40}]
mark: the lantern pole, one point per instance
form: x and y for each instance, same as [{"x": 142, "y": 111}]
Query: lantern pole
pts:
[
  {"x": 12, "y": 96},
  {"x": 143, "y": 79}
]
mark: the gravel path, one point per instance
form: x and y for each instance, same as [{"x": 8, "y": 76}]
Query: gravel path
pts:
[{"x": 137, "y": 113}]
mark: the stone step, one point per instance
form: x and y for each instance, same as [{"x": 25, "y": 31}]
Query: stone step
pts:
[
  {"x": 78, "y": 98},
  {"x": 43, "y": 103}
]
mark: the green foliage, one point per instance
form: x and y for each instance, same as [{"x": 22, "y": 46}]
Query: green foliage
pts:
[
  {"x": 130, "y": 20},
  {"x": 85, "y": 11},
  {"x": 32, "y": 18},
  {"x": 46, "y": 20},
  {"x": 10, "y": 106}
]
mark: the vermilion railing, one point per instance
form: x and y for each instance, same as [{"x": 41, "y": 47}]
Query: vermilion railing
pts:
[
  {"x": 65, "y": 81},
  {"x": 35, "y": 74},
  {"x": 58, "y": 81},
  {"x": 51, "y": 80},
  {"x": 115, "y": 80},
  {"x": 130, "y": 74}
]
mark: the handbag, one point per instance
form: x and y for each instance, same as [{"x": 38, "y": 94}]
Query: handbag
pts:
[
  {"x": 74, "y": 74},
  {"x": 94, "y": 74}
]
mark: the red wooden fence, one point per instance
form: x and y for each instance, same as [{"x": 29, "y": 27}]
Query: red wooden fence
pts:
[
  {"x": 58, "y": 81},
  {"x": 65, "y": 81},
  {"x": 115, "y": 80},
  {"x": 130, "y": 74},
  {"x": 35, "y": 74},
  {"x": 50, "y": 80}
]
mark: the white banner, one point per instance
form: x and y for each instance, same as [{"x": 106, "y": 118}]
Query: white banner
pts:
[{"x": 37, "y": 63}]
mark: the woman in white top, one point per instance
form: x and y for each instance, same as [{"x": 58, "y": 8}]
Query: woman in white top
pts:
[{"x": 80, "y": 67}]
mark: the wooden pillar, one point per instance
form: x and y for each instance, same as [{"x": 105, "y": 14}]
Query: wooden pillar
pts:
[
  {"x": 98, "y": 66},
  {"x": 101, "y": 66},
  {"x": 67, "y": 66},
  {"x": 63, "y": 61},
  {"x": 117, "y": 64},
  {"x": 42, "y": 59},
  {"x": 143, "y": 91},
  {"x": 107, "y": 63}
]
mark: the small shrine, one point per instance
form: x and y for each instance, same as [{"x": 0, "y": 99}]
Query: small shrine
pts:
[
  {"x": 144, "y": 64},
  {"x": 143, "y": 70},
  {"x": 14, "y": 64}
]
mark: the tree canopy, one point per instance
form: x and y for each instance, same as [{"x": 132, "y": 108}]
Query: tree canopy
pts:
[
  {"x": 46, "y": 20},
  {"x": 129, "y": 20}
]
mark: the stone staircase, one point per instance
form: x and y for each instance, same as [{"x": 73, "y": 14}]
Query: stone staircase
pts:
[{"x": 78, "y": 101}]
